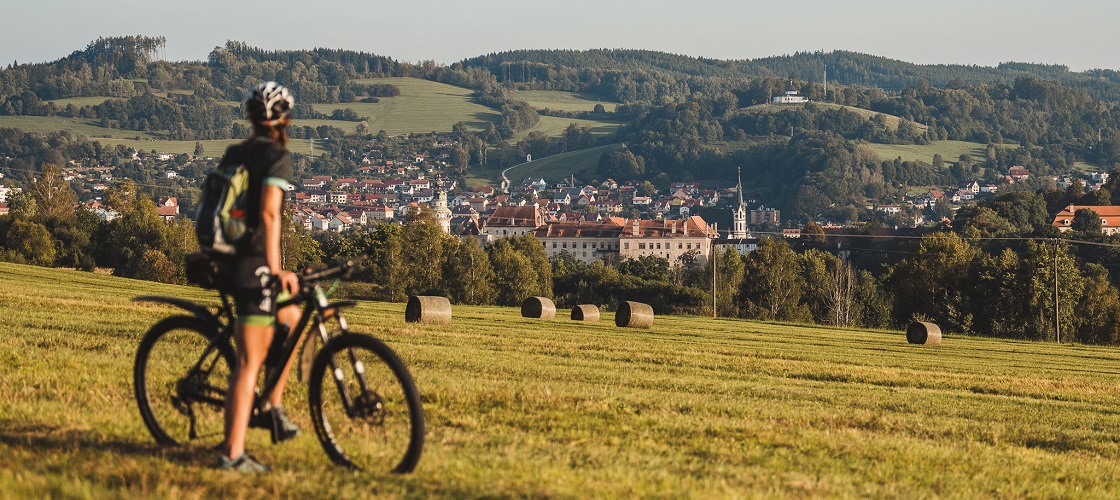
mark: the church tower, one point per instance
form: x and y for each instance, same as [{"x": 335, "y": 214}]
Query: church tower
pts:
[
  {"x": 440, "y": 210},
  {"x": 739, "y": 214}
]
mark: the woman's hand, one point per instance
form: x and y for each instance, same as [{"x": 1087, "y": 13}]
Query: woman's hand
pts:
[{"x": 288, "y": 281}]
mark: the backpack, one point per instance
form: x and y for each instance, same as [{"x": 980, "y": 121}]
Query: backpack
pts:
[{"x": 220, "y": 222}]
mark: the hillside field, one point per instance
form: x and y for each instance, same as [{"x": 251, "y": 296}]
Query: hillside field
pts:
[
  {"x": 423, "y": 106},
  {"x": 560, "y": 100},
  {"x": 694, "y": 407},
  {"x": 892, "y": 121}
]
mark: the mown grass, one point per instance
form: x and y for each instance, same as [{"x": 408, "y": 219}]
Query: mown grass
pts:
[
  {"x": 561, "y": 165},
  {"x": 423, "y": 106},
  {"x": 560, "y": 100},
  {"x": 695, "y": 407},
  {"x": 950, "y": 151},
  {"x": 554, "y": 126}
]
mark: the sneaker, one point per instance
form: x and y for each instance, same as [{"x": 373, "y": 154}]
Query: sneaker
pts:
[
  {"x": 282, "y": 428},
  {"x": 244, "y": 463}
]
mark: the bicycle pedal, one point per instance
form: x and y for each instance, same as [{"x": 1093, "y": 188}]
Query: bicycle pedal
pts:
[{"x": 262, "y": 420}]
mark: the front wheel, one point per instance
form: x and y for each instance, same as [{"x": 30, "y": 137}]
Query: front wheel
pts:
[
  {"x": 180, "y": 380},
  {"x": 365, "y": 406}
]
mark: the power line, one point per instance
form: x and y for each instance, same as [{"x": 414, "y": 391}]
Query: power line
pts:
[{"x": 967, "y": 238}]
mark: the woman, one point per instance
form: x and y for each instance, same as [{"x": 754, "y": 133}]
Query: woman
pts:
[{"x": 258, "y": 261}]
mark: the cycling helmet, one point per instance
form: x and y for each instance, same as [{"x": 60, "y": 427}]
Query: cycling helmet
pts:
[{"x": 269, "y": 103}]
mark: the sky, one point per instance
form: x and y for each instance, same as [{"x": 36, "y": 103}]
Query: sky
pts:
[{"x": 1081, "y": 34}]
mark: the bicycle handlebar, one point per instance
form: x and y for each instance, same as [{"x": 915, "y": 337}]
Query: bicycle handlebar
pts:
[{"x": 344, "y": 271}]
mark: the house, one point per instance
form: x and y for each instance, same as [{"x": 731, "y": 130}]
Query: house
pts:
[
  {"x": 791, "y": 233},
  {"x": 766, "y": 216},
  {"x": 1019, "y": 173},
  {"x": 1109, "y": 214},
  {"x": 592, "y": 240},
  {"x": 512, "y": 221},
  {"x": 479, "y": 204},
  {"x": 889, "y": 209},
  {"x": 379, "y": 213},
  {"x": 790, "y": 97},
  {"x": 641, "y": 201},
  {"x": 4, "y": 208},
  {"x": 168, "y": 214},
  {"x": 989, "y": 189},
  {"x": 934, "y": 196},
  {"x": 971, "y": 186}
]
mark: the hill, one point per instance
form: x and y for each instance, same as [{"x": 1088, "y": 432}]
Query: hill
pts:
[
  {"x": 516, "y": 407},
  {"x": 892, "y": 121},
  {"x": 843, "y": 67}
]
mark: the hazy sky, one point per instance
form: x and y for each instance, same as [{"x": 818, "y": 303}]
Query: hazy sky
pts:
[{"x": 1081, "y": 34}]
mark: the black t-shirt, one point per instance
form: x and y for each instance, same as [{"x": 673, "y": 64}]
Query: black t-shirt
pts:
[{"x": 268, "y": 163}]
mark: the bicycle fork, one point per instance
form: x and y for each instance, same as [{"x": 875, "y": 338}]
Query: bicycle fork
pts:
[{"x": 366, "y": 404}]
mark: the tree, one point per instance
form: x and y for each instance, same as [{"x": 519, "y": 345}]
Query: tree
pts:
[
  {"x": 53, "y": 195},
  {"x": 514, "y": 277},
  {"x": 932, "y": 283},
  {"x": 812, "y": 233},
  {"x": 423, "y": 244},
  {"x": 1087, "y": 222},
  {"x": 28, "y": 242},
  {"x": 532, "y": 249},
  {"x": 830, "y": 287},
  {"x": 772, "y": 283},
  {"x": 467, "y": 275},
  {"x": 647, "y": 267}
]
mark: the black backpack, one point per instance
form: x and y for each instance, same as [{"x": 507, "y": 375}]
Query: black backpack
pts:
[{"x": 220, "y": 222}]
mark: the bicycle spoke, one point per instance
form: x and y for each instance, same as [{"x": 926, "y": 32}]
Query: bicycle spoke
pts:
[
  {"x": 181, "y": 379},
  {"x": 364, "y": 415}
]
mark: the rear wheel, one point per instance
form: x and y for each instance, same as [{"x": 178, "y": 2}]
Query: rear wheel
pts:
[
  {"x": 180, "y": 381},
  {"x": 365, "y": 406}
]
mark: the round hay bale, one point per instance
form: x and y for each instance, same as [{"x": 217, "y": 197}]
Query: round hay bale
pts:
[
  {"x": 538, "y": 307},
  {"x": 585, "y": 312},
  {"x": 428, "y": 309},
  {"x": 921, "y": 332},
  {"x": 634, "y": 315}
]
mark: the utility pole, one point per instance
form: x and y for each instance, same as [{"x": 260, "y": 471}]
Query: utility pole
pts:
[
  {"x": 714, "y": 262},
  {"x": 1057, "y": 322}
]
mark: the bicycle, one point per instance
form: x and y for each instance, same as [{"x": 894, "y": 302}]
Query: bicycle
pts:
[{"x": 372, "y": 420}]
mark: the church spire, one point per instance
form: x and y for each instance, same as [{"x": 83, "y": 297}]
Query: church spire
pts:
[
  {"x": 739, "y": 214},
  {"x": 739, "y": 187}
]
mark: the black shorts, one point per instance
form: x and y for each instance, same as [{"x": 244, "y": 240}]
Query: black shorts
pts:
[{"x": 247, "y": 281}]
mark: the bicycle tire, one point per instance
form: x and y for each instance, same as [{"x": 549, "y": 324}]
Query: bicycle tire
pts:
[
  {"x": 167, "y": 398},
  {"x": 372, "y": 441}
]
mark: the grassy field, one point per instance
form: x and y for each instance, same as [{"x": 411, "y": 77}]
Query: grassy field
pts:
[
  {"x": 694, "y": 407},
  {"x": 892, "y": 121},
  {"x": 560, "y": 100},
  {"x": 950, "y": 151},
  {"x": 423, "y": 106},
  {"x": 561, "y": 165}
]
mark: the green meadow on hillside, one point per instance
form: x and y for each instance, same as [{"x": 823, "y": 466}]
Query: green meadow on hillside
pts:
[
  {"x": 891, "y": 120},
  {"x": 516, "y": 407},
  {"x": 560, "y": 100},
  {"x": 950, "y": 151}
]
